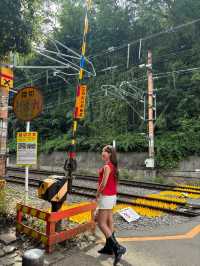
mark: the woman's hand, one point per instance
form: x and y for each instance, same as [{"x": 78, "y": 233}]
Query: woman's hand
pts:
[
  {"x": 96, "y": 215},
  {"x": 103, "y": 182},
  {"x": 97, "y": 195}
]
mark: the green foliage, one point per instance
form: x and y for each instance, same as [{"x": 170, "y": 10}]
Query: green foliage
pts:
[
  {"x": 58, "y": 144},
  {"x": 131, "y": 142},
  {"x": 125, "y": 143},
  {"x": 171, "y": 147},
  {"x": 114, "y": 114},
  {"x": 12, "y": 145},
  {"x": 19, "y": 24}
]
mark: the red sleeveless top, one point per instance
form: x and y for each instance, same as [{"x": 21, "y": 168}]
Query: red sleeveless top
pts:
[{"x": 111, "y": 186}]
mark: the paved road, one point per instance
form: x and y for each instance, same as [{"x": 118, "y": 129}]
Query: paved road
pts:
[{"x": 156, "y": 252}]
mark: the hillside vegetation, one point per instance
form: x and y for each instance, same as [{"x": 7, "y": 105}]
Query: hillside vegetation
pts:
[{"x": 171, "y": 28}]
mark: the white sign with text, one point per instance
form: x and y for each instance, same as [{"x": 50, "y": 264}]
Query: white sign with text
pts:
[{"x": 129, "y": 214}]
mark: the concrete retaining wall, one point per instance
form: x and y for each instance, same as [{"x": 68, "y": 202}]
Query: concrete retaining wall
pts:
[
  {"x": 89, "y": 162},
  {"x": 128, "y": 162}
]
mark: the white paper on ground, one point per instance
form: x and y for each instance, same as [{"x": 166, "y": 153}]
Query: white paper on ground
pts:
[{"x": 129, "y": 214}]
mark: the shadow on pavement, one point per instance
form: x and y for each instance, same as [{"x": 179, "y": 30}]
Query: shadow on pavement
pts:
[{"x": 110, "y": 259}]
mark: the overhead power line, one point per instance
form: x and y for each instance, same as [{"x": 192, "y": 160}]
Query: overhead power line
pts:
[
  {"x": 167, "y": 31},
  {"x": 166, "y": 74}
]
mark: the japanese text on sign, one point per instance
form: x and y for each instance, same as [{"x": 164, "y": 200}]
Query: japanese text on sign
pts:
[
  {"x": 28, "y": 104},
  {"x": 80, "y": 101},
  {"x": 27, "y": 148}
]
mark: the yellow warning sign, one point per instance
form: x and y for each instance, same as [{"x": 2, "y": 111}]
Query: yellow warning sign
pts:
[
  {"x": 80, "y": 101},
  {"x": 6, "y": 77},
  {"x": 27, "y": 148},
  {"x": 27, "y": 137}
]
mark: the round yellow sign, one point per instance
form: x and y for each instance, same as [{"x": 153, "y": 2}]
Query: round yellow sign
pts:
[{"x": 28, "y": 103}]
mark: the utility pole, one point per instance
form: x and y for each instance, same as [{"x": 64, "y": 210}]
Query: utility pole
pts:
[
  {"x": 6, "y": 83},
  {"x": 3, "y": 129},
  {"x": 150, "y": 109}
]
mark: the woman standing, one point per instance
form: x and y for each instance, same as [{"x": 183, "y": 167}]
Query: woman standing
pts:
[{"x": 107, "y": 197}]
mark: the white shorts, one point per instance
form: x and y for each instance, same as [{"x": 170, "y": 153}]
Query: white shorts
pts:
[{"x": 107, "y": 202}]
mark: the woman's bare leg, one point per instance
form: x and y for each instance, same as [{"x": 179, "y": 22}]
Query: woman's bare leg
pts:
[
  {"x": 110, "y": 221},
  {"x": 102, "y": 222}
]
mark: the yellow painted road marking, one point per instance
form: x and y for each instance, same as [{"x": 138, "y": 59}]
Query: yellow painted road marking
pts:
[{"x": 189, "y": 235}]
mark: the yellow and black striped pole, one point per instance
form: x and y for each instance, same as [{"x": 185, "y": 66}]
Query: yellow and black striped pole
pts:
[{"x": 71, "y": 164}]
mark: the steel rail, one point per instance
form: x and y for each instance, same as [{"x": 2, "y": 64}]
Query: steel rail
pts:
[
  {"x": 185, "y": 212},
  {"x": 135, "y": 196},
  {"x": 122, "y": 197},
  {"x": 132, "y": 183}
]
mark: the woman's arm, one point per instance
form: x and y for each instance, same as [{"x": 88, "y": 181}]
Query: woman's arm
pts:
[{"x": 104, "y": 181}]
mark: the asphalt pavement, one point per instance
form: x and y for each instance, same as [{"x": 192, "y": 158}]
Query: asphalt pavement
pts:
[{"x": 168, "y": 246}]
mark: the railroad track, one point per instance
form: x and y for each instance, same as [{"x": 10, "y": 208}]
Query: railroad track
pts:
[
  {"x": 188, "y": 212},
  {"x": 185, "y": 209},
  {"x": 33, "y": 182},
  {"x": 35, "y": 171},
  {"x": 131, "y": 183}
]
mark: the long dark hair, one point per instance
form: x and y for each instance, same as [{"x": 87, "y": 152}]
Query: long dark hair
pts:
[{"x": 113, "y": 157}]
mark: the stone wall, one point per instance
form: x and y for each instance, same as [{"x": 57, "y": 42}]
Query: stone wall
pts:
[
  {"x": 129, "y": 162},
  {"x": 87, "y": 161}
]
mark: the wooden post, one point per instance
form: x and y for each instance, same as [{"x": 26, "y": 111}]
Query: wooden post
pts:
[{"x": 50, "y": 230}]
